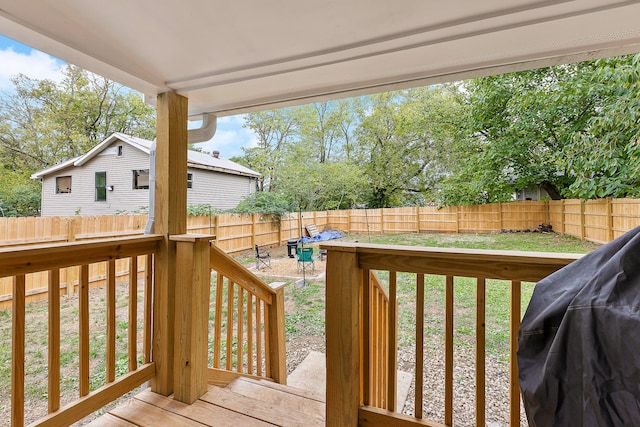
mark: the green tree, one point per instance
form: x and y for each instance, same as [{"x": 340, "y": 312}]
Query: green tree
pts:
[
  {"x": 404, "y": 142},
  {"x": 275, "y": 130},
  {"x": 571, "y": 129},
  {"x": 326, "y": 127},
  {"x": 265, "y": 202},
  {"x": 19, "y": 196},
  {"x": 43, "y": 123},
  {"x": 313, "y": 185},
  {"x": 604, "y": 157}
]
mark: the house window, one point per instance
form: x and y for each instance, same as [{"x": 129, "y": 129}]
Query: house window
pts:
[
  {"x": 141, "y": 179},
  {"x": 119, "y": 150},
  {"x": 63, "y": 184},
  {"x": 189, "y": 180},
  {"x": 101, "y": 186}
]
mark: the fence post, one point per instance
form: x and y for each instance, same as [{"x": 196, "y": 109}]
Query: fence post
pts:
[
  {"x": 500, "y": 216},
  {"x": 192, "y": 316},
  {"x": 72, "y": 272},
  {"x": 215, "y": 229},
  {"x": 610, "y": 234},
  {"x": 562, "y": 217},
  {"x": 417, "y": 208},
  {"x": 381, "y": 220},
  {"x": 279, "y": 230},
  {"x": 582, "y": 222},
  {"x": 457, "y": 219},
  {"x": 547, "y": 212},
  {"x": 71, "y": 230},
  {"x": 253, "y": 230}
]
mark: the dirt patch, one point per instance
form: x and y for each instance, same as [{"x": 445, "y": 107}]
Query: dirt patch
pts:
[{"x": 289, "y": 268}]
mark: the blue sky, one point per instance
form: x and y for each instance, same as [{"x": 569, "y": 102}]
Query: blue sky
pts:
[{"x": 16, "y": 58}]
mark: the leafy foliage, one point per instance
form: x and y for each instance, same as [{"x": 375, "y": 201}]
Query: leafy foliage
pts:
[
  {"x": 404, "y": 141},
  {"x": 19, "y": 196},
  {"x": 202, "y": 209},
  {"x": 384, "y": 150},
  {"x": 604, "y": 157},
  {"x": 267, "y": 203},
  {"x": 573, "y": 129},
  {"x": 43, "y": 123}
]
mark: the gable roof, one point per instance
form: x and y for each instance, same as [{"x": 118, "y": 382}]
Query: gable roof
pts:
[{"x": 194, "y": 159}]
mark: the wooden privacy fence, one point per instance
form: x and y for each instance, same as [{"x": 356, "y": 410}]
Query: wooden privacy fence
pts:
[{"x": 599, "y": 221}]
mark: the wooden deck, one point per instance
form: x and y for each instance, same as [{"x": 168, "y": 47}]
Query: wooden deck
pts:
[{"x": 244, "y": 402}]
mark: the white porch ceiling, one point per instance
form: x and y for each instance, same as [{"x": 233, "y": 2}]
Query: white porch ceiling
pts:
[{"x": 230, "y": 57}]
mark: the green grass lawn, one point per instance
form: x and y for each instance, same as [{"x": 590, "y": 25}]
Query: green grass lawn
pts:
[{"x": 308, "y": 318}]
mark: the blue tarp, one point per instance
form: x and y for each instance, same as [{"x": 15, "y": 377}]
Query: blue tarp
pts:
[{"x": 322, "y": 236}]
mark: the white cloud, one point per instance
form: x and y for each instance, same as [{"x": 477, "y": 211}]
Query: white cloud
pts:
[
  {"x": 237, "y": 120},
  {"x": 230, "y": 137},
  {"x": 36, "y": 65}
]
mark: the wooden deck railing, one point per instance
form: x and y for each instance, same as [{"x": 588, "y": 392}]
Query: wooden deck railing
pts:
[
  {"x": 248, "y": 336},
  {"x": 357, "y": 333},
  {"x": 20, "y": 262},
  {"x": 248, "y": 324},
  {"x": 375, "y": 337}
]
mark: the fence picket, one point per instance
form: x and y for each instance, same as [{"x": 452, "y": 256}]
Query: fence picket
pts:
[{"x": 598, "y": 221}]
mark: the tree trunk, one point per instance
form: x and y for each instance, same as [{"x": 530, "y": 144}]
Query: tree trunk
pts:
[{"x": 551, "y": 190}]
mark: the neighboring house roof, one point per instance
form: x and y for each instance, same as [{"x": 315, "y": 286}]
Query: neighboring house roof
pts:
[{"x": 195, "y": 159}]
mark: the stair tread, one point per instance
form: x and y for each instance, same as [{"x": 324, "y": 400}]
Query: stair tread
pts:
[
  {"x": 259, "y": 408},
  {"x": 279, "y": 395},
  {"x": 166, "y": 411},
  {"x": 307, "y": 394}
]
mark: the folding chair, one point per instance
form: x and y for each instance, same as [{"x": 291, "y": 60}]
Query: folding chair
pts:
[
  {"x": 262, "y": 257},
  {"x": 305, "y": 256}
]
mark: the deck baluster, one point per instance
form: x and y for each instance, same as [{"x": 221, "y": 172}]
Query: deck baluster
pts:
[
  {"x": 419, "y": 345},
  {"x": 133, "y": 314},
  {"x": 448, "y": 352},
  {"x": 53, "y": 388},
  {"x": 17, "y": 351},
  {"x": 83, "y": 328},
  {"x": 514, "y": 390},
  {"x": 480, "y": 351},
  {"x": 392, "y": 340},
  {"x": 111, "y": 321}
]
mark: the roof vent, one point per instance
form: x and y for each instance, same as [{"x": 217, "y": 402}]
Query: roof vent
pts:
[{"x": 216, "y": 154}]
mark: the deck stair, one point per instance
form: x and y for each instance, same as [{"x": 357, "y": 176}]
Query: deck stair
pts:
[{"x": 243, "y": 402}]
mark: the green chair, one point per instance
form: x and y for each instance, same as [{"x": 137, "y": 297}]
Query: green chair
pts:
[{"x": 305, "y": 256}]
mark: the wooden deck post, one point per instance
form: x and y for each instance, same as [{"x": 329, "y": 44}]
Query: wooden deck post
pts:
[
  {"x": 170, "y": 218},
  {"x": 342, "y": 331},
  {"x": 192, "y": 316},
  {"x": 277, "y": 336}
]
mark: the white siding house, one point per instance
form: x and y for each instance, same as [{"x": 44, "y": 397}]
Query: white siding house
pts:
[{"x": 113, "y": 177}]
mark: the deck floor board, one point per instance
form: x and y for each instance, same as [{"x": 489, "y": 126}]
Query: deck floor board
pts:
[{"x": 242, "y": 403}]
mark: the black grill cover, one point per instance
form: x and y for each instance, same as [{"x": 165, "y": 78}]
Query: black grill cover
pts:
[{"x": 579, "y": 343}]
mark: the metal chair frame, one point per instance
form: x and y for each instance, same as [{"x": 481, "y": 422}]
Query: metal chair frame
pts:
[{"x": 262, "y": 257}]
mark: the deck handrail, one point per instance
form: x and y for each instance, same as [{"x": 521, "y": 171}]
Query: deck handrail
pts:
[
  {"x": 22, "y": 261},
  {"x": 250, "y": 339},
  {"x": 349, "y": 267}
]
